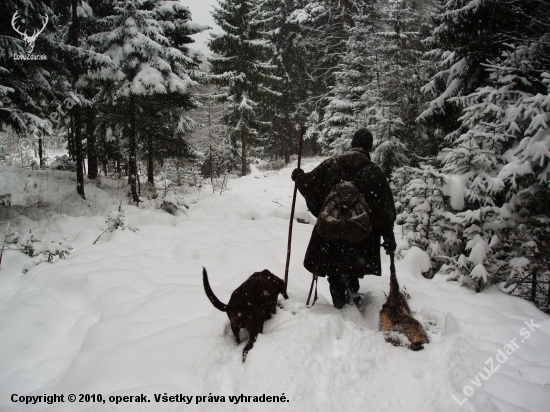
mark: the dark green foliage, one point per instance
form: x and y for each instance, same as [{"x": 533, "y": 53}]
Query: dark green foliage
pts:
[{"x": 240, "y": 67}]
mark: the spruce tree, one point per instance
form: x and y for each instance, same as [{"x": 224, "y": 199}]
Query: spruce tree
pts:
[
  {"x": 349, "y": 96},
  {"x": 25, "y": 85},
  {"x": 378, "y": 81},
  {"x": 326, "y": 27},
  {"x": 146, "y": 43},
  {"x": 240, "y": 67},
  {"x": 493, "y": 89},
  {"x": 468, "y": 33},
  {"x": 289, "y": 54}
]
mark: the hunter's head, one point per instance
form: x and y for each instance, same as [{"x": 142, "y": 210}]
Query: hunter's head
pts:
[{"x": 362, "y": 139}]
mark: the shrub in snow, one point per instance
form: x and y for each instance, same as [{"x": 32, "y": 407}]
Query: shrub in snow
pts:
[
  {"x": 171, "y": 203},
  {"x": 162, "y": 183},
  {"x": 5, "y": 200},
  {"x": 10, "y": 237},
  {"x": 423, "y": 210},
  {"x": 54, "y": 248},
  {"x": 149, "y": 191},
  {"x": 528, "y": 261},
  {"x": 33, "y": 247},
  {"x": 63, "y": 163},
  {"x": 27, "y": 244},
  {"x": 115, "y": 221},
  {"x": 476, "y": 267}
]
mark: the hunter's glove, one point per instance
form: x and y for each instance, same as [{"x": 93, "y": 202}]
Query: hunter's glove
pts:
[
  {"x": 389, "y": 243},
  {"x": 295, "y": 173}
]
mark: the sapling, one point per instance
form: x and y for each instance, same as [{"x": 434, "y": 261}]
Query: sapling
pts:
[
  {"x": 55, "y": 248},
  {"x": 27, "y": 244},
  {"x": 5, "y": 200},
  {"x": 114, "y": 221}
]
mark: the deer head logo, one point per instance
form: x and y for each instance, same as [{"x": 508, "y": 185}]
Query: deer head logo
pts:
[{"x": 29, "y": 40}]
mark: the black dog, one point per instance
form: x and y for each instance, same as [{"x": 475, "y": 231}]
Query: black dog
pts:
[{"x": 250, "y": 304}]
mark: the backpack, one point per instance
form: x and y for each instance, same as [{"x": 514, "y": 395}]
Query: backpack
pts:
[{"x": 345, "y": 214}]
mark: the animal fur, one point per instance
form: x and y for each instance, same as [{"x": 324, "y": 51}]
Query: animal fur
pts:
[
  {"x": 252, "y": 303},
  {"x": 396, "y": 319}
]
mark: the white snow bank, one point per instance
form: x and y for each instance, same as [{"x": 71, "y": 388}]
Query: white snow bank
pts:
[
  {"x": 415, "y": 262},
  {"x": 455, "y": 187}
]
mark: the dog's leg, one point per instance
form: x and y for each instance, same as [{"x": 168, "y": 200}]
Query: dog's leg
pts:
[
  {"x": 273, "y": 307},
  {"x": 250, "y": 344},
  {"x": 256, "y": 328},
  {"x": 236, "y": 332}
]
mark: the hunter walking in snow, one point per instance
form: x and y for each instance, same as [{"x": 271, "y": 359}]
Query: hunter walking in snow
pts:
[{"x": 344, "y": 262}]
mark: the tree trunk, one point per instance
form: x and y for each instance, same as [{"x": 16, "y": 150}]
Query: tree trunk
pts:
[
  {"x": 548, "y": 300},
  {"x": 118, "y": 165},
  {"x": 150, "y": 160},
  {"x": 243, "y": 155},
  {"x": 41, "y": 153},
  {"x": 137, "y": 178},
  {"x": 211, "y": 170},
  {"x": 77, "y": 131},
  {"x": 287, "y": 147},
  {"x": 534, "y": 285},
  {"x": 132, "y": 163},
  {"x": 210, "y": 140},
  {"x": 343, "y": 26},
  {"x": 79, "y": 153},
  {"x": 92, "y": 153},
  {"x": 70, "y": 135}
]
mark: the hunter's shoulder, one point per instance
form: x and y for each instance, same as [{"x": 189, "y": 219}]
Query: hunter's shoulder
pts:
[
  {"x": 377, "y": 171},
  {"x": 328, "y": 163},
  {"x": 358, "y": 159}
]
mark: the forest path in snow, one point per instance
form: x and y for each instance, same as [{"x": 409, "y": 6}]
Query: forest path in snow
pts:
[{"x": 128, "y": 316}]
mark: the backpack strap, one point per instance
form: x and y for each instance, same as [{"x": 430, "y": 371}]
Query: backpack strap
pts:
[
  {"x": 355, "y": 175},
  {"x": 361, "y": 171}
]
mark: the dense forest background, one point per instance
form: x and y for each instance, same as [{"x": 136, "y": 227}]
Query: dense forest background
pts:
[{"x": 455, "y": 91}]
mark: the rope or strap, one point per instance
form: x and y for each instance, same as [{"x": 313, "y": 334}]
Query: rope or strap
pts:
[
  {"x": 313, "y": 280},
  {"x": 392, "y": 265}
]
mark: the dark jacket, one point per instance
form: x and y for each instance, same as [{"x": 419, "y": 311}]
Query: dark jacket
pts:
[{"x": 324, "y": 257}]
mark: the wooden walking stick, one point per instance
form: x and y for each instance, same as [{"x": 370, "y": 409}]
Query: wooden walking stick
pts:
[{"x": 302, "y": 131}]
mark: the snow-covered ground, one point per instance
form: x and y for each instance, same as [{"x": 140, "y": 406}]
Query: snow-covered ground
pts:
[{"x": 128, "y": 316}]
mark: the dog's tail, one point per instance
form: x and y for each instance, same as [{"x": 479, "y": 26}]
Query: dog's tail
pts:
[{"x": 208, "y": 290}]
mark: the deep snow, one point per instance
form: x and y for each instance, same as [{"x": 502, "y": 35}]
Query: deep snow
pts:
[{"x": 128, "y": 315}]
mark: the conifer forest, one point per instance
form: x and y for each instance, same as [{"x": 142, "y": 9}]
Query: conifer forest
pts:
[{"x": 456, "y": 93}]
